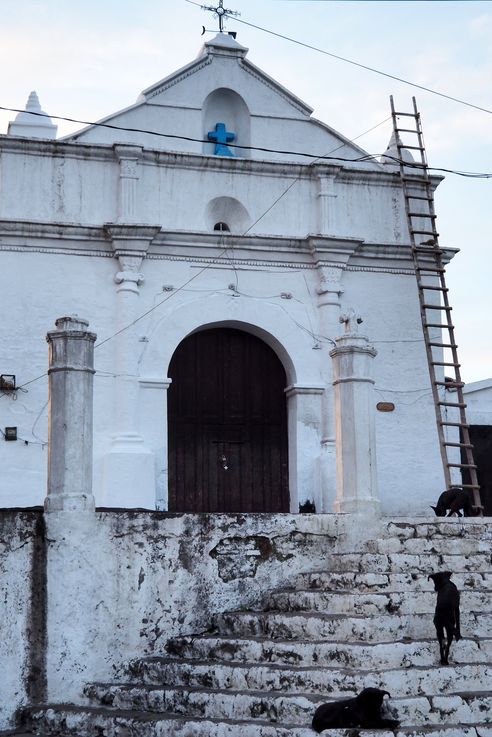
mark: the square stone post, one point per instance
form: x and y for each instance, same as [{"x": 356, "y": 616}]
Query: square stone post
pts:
[
  {"x": 71, "y": 377},
  {"x": 73, "y": 622},
  {"x": 355, "y": 421}
]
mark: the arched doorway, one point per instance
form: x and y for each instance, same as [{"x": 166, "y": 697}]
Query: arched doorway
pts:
[{"x": 227, "y": 425}]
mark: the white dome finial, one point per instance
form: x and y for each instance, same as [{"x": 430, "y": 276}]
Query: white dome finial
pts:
[{"x": 32, "y": 122}]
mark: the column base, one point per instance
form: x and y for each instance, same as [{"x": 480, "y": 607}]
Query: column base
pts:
[
  {"x": 370, "y": 507},
  {"x": 69, "y": 503},
  {"x": 129, "y": 474}
]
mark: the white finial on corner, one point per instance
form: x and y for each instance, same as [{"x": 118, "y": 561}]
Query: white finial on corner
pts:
[{"x": 32, "y": 122}]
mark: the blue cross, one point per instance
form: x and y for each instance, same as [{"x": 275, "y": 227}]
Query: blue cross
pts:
[{"x": 221, "y": 136}]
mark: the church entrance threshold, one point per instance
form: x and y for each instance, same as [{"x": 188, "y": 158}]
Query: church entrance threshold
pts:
[{"x": 227, "y": 422}]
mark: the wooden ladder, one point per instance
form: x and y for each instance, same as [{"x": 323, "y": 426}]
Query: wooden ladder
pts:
[{"x": 442, "y": 351}]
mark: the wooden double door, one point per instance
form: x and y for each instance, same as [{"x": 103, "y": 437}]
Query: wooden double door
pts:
[{"x": 227, "y": 425}]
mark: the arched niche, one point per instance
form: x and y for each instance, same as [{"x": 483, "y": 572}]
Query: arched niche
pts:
[
  {"x": 228, "y": 211},
  {"x": 226, "y": 106}
]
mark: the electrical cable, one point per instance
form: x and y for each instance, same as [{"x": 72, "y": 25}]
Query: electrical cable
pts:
[
  {"x": 354, "y": 63},
  {"x": 366, "y": 158}
]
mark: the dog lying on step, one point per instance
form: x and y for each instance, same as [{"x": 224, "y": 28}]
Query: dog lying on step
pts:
[
  {"x": 363, "y": 710},
  {"x": 447, "y": 616},
  {"x": 454, "y": 500}
]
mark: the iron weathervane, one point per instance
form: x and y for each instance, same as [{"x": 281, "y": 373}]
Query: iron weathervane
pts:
[{"x": 220, "y": 12}]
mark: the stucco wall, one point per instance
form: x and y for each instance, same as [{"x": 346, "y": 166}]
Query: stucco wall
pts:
[{"x": 23, "y": 613}]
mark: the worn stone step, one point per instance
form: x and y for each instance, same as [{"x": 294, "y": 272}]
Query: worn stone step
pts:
[
  {"x": 73, "y": 721},
  {"x": 307, "y": 653},
  {"x": 398, "y": 562},
  {"x": 465, "y": 708},
  {"x": 339, "y": 627},
  {"x": 371, "y": 582},
  {"x": 460, "y": 545},
  {"x": 330, "y": 682},
  {"x": 434, "y": 528},
  {"x": 76, "y": 721},
  {"x": 346, "y": 602}
]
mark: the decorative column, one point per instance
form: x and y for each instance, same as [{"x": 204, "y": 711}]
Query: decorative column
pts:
[
  {"x": 128, "y": 158},
  {"x": 355, "y": 420},
  {"x": 129, "y": 475},
  {"x": 326, "y": 202},
  {"x": 304, "y": 410},
  {"x": 73, "y": 556},
  {"x": 71, "y": 372}
]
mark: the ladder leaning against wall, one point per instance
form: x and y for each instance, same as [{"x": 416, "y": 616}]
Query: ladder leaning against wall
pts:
[{"x": 442, "y": 351}]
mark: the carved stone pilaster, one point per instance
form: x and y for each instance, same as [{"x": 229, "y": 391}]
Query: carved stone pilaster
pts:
[
  {"x": 128, "y": 159},
  {"x": 327, "y": 196},
  {"x": 129, "y": 465}
]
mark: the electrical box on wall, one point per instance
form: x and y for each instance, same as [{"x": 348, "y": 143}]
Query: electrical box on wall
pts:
[
  {"x": 7, "y": 382},
  {"x": 10, "y": 433}
]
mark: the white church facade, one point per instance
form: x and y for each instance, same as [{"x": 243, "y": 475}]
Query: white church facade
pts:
[{"x": 214, "y": 256}]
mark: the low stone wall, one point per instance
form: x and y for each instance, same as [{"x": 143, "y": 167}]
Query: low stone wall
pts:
[
  {"x": 23, "y": 597},
  {"x": 120, "y": 583}
]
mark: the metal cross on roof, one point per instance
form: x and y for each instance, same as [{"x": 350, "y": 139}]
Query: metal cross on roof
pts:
[{"x": 220, "y": 12}]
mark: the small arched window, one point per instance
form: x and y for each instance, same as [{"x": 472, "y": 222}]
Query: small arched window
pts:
[{"x": 222, "y": 227}]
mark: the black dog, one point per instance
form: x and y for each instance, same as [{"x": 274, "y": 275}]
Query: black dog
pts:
[
  {"x": 447, "y": 616},
  {"x": 362, "y": 711},
  {"x": 454, "y": 500}
]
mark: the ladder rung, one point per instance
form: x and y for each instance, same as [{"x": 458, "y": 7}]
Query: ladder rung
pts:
[
  {"x": 419, "y": 197},
  {"x": 461, "y": 465},
  {"x": 437, "y": 325},
  {"x": 435, "y": 289},
  {"x": 452, "y": 404},
  {"x": 459, "y": 445},
  {"x": 436, "y": 307},
  {"x": 443, "y": 345},
  {"x": 445, "y": 363},
  {"x": 422, "y": 215},
  {"x": 451, "y": 384},
  {"x": 424, "y": 232},
  {"x": 416, "y": 148},
  {"x": 470, "y": 486},
  {"x": 453, "y": 424},
  {"x": 407, "y": 130},
  {"x": 433, "y": 269}
]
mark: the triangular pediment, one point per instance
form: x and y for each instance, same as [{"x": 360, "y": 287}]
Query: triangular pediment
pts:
[{"x": 221, "y": 86}]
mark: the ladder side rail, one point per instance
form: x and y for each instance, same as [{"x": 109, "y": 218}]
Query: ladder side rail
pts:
[{"x": 433, "y": 252}]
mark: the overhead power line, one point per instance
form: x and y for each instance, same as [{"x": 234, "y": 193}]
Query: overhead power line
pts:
[
  {"x": 354, "y": 63},
  {"x": 365, "y": 158}
]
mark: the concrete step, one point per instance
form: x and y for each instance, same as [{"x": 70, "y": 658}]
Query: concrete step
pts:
[
  {"x": 465, "y": 708},
  {"x": 345, "y": 602},
  {"x": 381, "y": 582},
  {"x": 73, "y": 721},
  {"x": 330, "y": 682},
  {"x": 339, "y": 627},
  {"x": 308, "y": 653},
  {"x": 411, "y": 563}
]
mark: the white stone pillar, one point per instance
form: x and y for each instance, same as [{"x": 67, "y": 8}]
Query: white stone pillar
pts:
[
  {"x": 71, "y": 376},
  {"x": 73, "y": 621},
  {"x": 129, "y": 473},
  {"x": 355, "y": 421},
  {"x": 329, "y": 294},
  {"x": 304, "y": 415}
]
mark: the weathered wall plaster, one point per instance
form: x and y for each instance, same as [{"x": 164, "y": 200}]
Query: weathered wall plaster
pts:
[
  {"x": 121, "y": 583},
  {"x": 23, "y": 596}
]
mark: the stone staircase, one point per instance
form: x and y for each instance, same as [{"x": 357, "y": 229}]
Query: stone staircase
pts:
[{"x": 365, "y": 619}]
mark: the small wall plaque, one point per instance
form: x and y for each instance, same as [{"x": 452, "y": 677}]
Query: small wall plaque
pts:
[{"x": 385, "y": 406}]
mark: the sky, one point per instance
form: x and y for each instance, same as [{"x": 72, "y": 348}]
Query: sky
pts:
[{"x": 87, "y": 60}]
